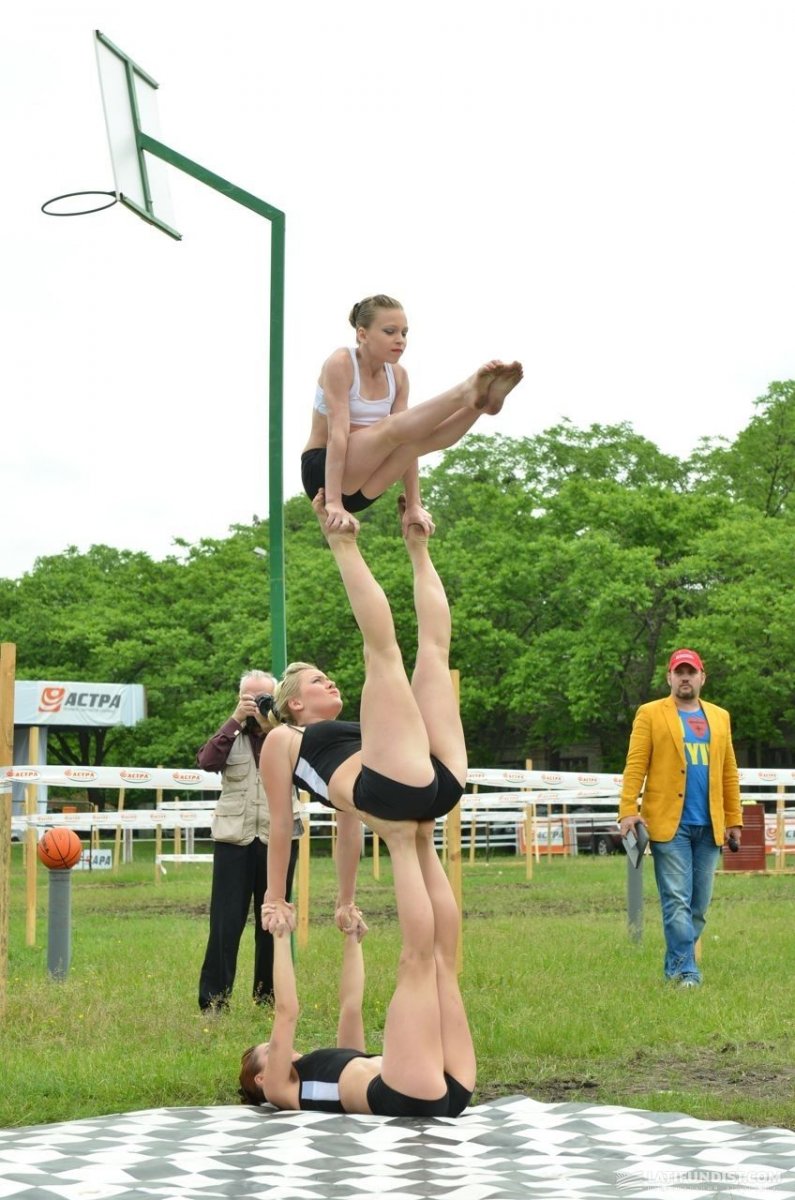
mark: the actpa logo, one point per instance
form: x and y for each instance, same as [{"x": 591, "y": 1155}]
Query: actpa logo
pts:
[
  {"x": 768, "y": 775},
  {"x": 186, "y": 776},
  {"x": 514, "y": 776},
  {"x": 51, "y": 699},
  {"x": 79, "y": 774},
  {"x": 135, "y": 776},
  {"x": 587, "y": 780},
  {"x": 23, "y": 773},
  {"x": 59, "y": 699},
  {"x": 552, "y": 779}
]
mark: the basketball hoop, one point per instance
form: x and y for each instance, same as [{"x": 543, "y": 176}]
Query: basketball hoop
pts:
[{"x": 78, "y": 212}]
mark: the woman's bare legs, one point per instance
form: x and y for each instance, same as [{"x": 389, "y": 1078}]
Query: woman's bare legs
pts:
[
  {"x": 457, "y": 1048},
  {"x": 394, "y": 741},
  {"x": 413, "y": 1057},
  {"x": 431, "y": 682},
  {"x": 380, "y": 454}
]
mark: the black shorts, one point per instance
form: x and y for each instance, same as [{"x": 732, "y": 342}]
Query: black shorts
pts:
[
  {"x": 458, "y": 1096},
  {"x": 383, "y": 797},
  {"x": 313, "y": 477},
  {"x": 384, "y": 1101}
]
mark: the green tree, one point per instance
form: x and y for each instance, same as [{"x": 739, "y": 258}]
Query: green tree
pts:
[
  {"x": 758, "y": 468},
  {"x": 574, "y": 561},
  {"x": 744, "y": 622}
]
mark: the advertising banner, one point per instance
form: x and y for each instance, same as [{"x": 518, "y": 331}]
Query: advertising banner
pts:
[{"x": 53, "y": 703}]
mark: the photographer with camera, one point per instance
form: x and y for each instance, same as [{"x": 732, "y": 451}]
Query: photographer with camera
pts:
[{"x": 240, "y": 828}]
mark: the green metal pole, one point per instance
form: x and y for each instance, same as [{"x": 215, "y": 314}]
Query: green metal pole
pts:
[
  {"x": 275, "y": 455},
  {"x": 278, "y": 660}
]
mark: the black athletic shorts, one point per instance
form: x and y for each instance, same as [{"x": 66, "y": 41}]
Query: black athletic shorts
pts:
[
  {"x": 313, "y": 477},
  {"x": 384, "y": 1101},
  {"x": 383, "y": 797}
]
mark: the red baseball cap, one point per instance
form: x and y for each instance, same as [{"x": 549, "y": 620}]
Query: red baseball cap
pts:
[{"x": 685, "y": 656}]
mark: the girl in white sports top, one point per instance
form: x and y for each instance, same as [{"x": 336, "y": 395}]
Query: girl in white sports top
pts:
[{"x": 364, "y": 437}]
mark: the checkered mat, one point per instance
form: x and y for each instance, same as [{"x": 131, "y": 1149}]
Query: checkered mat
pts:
[{"x": 511, "y": 1149}]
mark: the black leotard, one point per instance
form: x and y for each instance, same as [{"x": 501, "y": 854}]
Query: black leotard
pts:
[
  {"x": 325, "y": 745},
  {"x": 319, "y": 1074}
]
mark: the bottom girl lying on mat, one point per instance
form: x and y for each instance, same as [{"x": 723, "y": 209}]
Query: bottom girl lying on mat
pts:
[{"x": 427, "y": 1064}]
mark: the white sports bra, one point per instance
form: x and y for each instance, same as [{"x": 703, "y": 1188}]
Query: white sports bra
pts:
[{"x": 363, "y": 412}]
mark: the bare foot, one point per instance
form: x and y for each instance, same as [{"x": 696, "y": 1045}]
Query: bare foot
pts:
[
  {"x": 503, "y": 380},
  {"x": 345, "y": 529},
  {"x": 476, "y": 388}
]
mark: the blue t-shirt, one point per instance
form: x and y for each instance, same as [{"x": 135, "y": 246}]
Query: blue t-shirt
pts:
[{"x": 696, "y": 736}]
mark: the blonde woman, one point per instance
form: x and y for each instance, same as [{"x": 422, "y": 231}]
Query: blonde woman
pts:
[{"x": 405, "y": 759}]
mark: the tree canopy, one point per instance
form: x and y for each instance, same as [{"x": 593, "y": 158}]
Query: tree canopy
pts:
[{"x": 575, "y": 561}]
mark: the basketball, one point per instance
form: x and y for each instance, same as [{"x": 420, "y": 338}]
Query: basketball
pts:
[{"x": 59, "y": 848}]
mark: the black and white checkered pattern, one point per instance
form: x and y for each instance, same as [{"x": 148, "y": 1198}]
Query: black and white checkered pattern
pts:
[{"x": 511, "y": 1149}]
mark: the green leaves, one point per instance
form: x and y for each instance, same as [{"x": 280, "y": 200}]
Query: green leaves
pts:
[
  {"x": 574, "y": 561},
  {"x": 759, "y": 467}
]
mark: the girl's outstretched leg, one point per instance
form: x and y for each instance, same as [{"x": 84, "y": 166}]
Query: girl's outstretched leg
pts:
[{"x": 378, "y": 455}]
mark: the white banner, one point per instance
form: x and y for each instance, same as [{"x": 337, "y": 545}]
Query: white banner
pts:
[
  {"x": 114, "y": 777},
  {"x": 554, "y": 780},
  {"x": 65, "y": 703},
  {"x": 567, "y": 786},
  {"x": 94, "y": 860},
  {"x": 133, "y": 818},
  {"x": 583, "y": 784}
]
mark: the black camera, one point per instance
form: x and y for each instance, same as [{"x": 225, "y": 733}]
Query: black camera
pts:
[
  {"x": 733, "y": 844},
  {"x": 264, "y": 703}
]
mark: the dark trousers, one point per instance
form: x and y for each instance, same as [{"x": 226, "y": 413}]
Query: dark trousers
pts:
[{"x": 240, "y": 874}]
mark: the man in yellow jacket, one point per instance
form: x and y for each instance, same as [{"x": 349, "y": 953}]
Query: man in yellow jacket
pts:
[{"x": 682, "y": 747}]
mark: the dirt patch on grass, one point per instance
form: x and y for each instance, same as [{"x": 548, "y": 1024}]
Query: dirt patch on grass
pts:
[
  {"x": 132, "y": 911},
  {"x": 534, "y": 907},
  {"x": 754, "y": 1071}
]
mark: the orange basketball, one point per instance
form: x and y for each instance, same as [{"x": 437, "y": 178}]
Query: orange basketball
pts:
[{"x": 59, "y": 848}]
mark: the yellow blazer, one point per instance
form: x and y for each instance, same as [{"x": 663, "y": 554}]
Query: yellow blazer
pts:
[{"x": 657, "y": 754}]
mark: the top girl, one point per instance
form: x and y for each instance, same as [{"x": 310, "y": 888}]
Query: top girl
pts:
[{"x": 364, "y": 437}]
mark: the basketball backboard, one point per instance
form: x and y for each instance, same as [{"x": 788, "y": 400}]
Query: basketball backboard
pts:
[{"x": 129, "y": 98}]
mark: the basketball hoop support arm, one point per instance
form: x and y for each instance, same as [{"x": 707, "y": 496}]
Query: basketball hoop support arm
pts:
[{"x": 276, "y": 376}]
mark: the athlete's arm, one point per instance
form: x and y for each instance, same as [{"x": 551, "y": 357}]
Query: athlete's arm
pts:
[
  {"x": 278, "y": 1078},
  {"x": 336, "y": 380},
  {"x": 350, "y": 1028},
  {"x": 276, "y": 771},
  {"x": 415, "y": 514}
]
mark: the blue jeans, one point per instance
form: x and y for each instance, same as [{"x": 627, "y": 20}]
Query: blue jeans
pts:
[{"x": 684, "y": 869}]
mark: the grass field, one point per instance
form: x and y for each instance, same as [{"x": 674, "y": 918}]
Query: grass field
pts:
[{"x": 563, "y": 1005}]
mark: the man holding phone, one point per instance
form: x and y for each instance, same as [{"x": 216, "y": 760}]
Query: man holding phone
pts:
[{"x": 682, "y": 747}]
